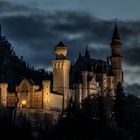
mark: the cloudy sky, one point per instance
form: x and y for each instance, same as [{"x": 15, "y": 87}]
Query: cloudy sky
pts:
[{"x": 34, "y": 27}]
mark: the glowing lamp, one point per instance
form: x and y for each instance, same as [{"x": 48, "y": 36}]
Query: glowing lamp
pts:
[{"x": 23, "y": 102}]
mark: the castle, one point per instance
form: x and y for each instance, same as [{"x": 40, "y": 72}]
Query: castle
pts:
[{"x": 87, "y": 76}]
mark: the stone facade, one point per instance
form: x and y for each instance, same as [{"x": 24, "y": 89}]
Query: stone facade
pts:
[{"x": 28, "y": 95}]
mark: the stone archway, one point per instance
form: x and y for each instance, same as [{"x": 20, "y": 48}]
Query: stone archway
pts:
[{"x": 23, "y": 93}]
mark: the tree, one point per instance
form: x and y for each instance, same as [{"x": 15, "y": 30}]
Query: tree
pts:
[
  {"x": 119, "y": 105},
  {"x": 101, "y": 108},
  {"x": 89, "y": 107},
  {"x": 108, "y": 103}
]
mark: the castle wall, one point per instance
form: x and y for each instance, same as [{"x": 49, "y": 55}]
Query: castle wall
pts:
[
  {"x": 38, "y": 100},
  {"x": 78, "y": 94},
  {"x": 37, "y": 118},
  {"x": 84, "y": 83},
  {"x": 3, "y": 94},
  {"x": 56, "y": 101},
  {"x": 46, "y": 94},
  {"x": 11, "y": 100},
  {"x": 92, "y": 88}
]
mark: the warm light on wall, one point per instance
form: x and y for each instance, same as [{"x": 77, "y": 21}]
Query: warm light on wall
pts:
[{"x": 23, "y": 102}]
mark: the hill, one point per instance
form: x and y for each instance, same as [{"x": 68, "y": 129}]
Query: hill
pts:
[{"x": 13, "y": 69}]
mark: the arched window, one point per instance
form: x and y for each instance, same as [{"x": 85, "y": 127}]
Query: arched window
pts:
[{"x": 24, "y": 87}]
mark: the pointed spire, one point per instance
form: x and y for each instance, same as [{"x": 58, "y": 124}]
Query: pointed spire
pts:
[
  {"x": 115, "y": 36},
  {"x": 87, "y": 52},
  {"x": 60, "y": 44}
]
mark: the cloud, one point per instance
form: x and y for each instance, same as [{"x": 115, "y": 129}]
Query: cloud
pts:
[
  {"x": 130, "y": 29},
  {"x": 6, "y": 6},
  {"x": 133, "y": 89},
  {"x": 132, "y": 56},
  {"x": 37, "y": 33},
  {"x": 9, "y": 7},
  {"x": 40, "y": 33}
]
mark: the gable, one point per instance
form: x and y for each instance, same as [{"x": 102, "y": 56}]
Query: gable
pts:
[{"x": 24, "y": 85}]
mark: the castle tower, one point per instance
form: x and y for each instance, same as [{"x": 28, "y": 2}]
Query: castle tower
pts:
[
  {"x": 116, "y": 58},
  {"x": 3, "y": 94},
  {"x": 61, "y": 67},
  {"x": 46, "y": 94}
]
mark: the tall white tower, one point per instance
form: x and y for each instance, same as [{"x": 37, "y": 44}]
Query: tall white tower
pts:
[{"x": 61, "y": 67}]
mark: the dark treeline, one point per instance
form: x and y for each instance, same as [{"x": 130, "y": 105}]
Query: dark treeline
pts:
[
  {"x": 14, "y": 68},
  {"x": 94, "y": 121},
  {"x": 100, "y": 119}
]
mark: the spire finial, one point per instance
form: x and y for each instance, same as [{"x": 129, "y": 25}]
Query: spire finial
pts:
[
  {"x": 87, "y": 52},
  {"x": 115, "y": 33}
]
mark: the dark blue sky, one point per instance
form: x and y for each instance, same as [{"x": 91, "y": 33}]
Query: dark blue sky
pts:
[{"x": 34, "y": 27}]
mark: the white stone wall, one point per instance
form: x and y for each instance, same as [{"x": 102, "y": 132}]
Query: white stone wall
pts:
[
  {"x": 3, "y": 94},
  {"x": 60, "y": 75},
  {"x": 56, "y": 101},
  {"x": 46, "y": 94},
  {"x": 61, "y": 78}
]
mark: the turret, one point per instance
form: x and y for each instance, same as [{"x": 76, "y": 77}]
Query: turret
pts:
[
  {"x": 116, "y": 58},
  {"x": 46, "y": 94},
  {"x": 60, "y": 50},
  {"x": 3, "y": 94}
]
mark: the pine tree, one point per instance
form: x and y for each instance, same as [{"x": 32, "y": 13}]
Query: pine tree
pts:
[{"x": 108, "y": 103}]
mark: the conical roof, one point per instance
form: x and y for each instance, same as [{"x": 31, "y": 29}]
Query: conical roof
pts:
[
  {"x": 116, "y": 35},
  {"x": 60, "y": 44},
  {"x": 60, "y": 50}
]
